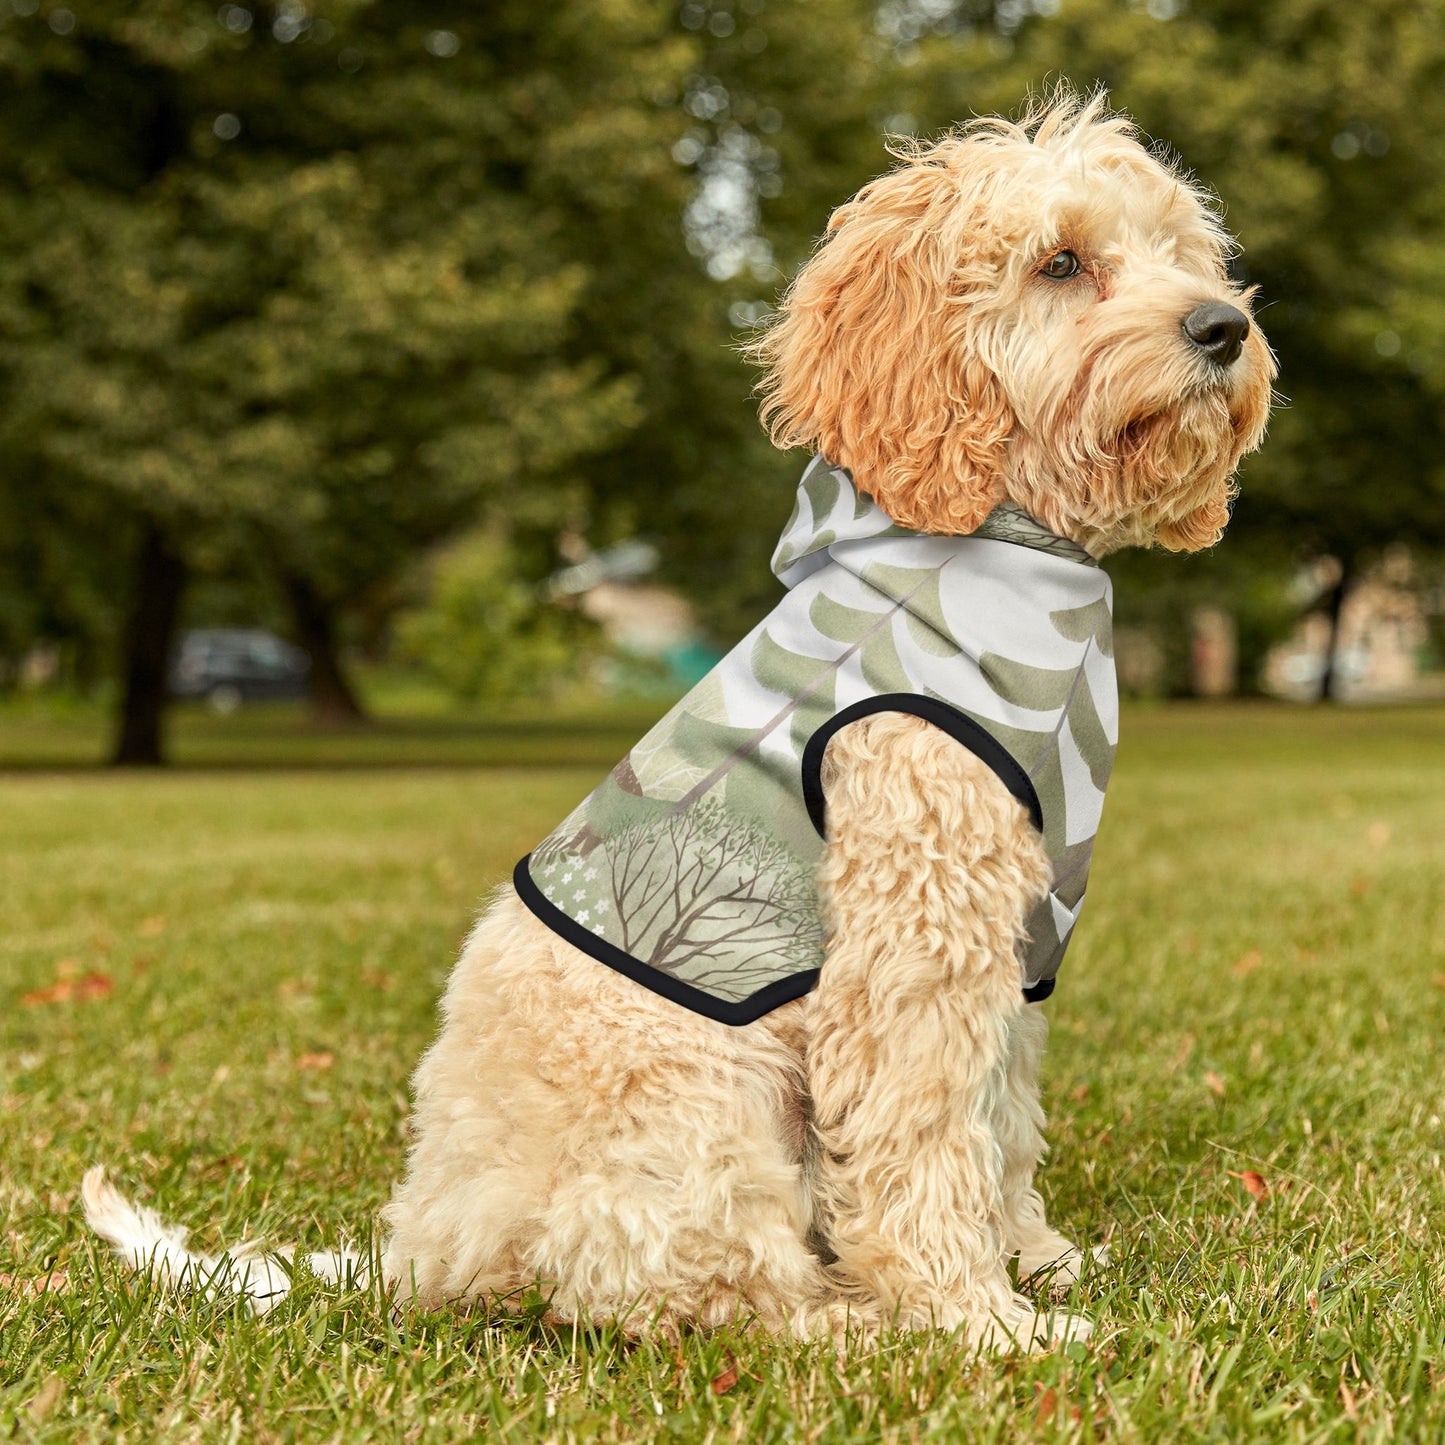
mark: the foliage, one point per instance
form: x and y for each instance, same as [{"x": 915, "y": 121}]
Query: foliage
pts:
[
  {"x": 312, "y": 288},
  {"x": 279, "y": 281},
  {"x": 485, "y": 633},
  {"x": 1249, "y": 576},
  {"x": 1253, "y": 989}
]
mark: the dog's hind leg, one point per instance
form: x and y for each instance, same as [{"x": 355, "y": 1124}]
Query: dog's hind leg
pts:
[
  {"x": 578, "y": 1135},
  {"x": 931, "y": 868},
  {"x": 680, "y": 1199}
]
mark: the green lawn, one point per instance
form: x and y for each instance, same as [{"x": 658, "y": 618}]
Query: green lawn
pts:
[{"x": 253, "y": 958}]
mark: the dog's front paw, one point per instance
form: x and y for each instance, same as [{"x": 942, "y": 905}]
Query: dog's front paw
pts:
[
  {"x": 1023, "y": 1326},
  {"x": 1058, "y": 1269}
]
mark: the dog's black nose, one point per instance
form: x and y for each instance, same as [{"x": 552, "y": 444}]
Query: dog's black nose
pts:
[{"x": 1218, "y": 330}]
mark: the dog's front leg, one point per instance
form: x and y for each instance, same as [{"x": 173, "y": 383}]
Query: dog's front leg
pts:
[
  {"x": 1042, "y": 1251},
  {"x": 930, "y": 870}
]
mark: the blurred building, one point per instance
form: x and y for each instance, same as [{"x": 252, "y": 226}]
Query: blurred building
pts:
[
  {"x": 653, "y": 629},
  {"x": 1382, "y": 651}
]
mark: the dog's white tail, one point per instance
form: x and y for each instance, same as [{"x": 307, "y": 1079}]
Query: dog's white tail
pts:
[{"x": 147, "y": 1243}]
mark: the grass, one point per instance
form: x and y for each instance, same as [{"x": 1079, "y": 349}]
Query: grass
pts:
[
  {"x": 408, "y": 728},
  {"x": 252, "y": 960}
]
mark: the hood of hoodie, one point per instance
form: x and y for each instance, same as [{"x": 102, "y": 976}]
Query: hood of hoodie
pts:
[{"x": 830, "y": 510}]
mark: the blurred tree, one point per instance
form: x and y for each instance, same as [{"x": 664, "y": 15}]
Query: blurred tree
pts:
[
  {"x": 781, "y": 113},
  {"x": 483, "y": 633},
  {"x": 289, "y": 281},
  {"x": 324, "y": 285}
]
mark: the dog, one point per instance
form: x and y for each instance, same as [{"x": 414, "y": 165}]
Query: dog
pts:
[{"x": 1025, "y": 332}]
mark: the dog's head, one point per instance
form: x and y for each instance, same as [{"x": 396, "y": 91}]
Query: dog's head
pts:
[{"x": 1034, "y": 311}]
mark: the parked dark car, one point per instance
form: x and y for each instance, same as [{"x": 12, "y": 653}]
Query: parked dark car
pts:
[{"x": 230, "y": 665}]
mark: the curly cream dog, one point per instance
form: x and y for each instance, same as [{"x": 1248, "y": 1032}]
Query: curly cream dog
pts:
[{"x": 1032, "y": 313}]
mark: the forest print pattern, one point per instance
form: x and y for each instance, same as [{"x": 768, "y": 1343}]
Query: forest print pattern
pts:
[{"x": 696, "y": 855}]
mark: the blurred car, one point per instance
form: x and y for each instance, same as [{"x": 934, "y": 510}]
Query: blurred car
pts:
[{"x": 228, "y": 666}]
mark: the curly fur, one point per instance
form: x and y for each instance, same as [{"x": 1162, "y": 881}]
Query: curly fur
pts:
[
  {"x": 921, "y": 348},
  {"x": 865, "y": 1155}
]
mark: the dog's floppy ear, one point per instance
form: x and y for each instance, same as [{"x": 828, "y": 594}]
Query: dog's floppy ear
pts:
[{"x": 873, "y": 358}]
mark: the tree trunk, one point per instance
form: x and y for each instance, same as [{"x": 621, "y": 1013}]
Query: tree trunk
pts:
[
  {"x": 1329, "y": 677},
  {"x": 333, "y": 699},
  {"x": 160, "y": 578}
]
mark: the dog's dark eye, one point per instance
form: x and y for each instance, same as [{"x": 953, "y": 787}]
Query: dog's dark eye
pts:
[{"x": 1060, "y": 266}]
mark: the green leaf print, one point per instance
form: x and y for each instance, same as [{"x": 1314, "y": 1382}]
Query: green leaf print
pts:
[
  {"x": 701, "y": 741},
  {"x": 928, "y": 639},
  {"x": 883, "y": 670},
  {"x": 1088, "y": 733},
  {"x": 917, "y": 586},
  {"x": 1042, "y": 948},
  {"x": 841, "y": 623},
  {"x": 675, "y": 753},
  {"x": 752, "y": 789},
  {"x": 613, "y": 806},
  {"x": 823, "y": 488},
  {"x": 779, "y": 670},
  {"x": 1091, "y": 622},
  {"x": 1047, "y": 776},
  {"x": 926, "y": 625},
  {"x": 820, "y": 703},
  {"x": 1041, "y": 689},
  {"x": 1071, "y": 872}
]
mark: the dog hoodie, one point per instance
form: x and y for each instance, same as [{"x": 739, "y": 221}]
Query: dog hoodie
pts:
[{"x": 692, "y": 867}]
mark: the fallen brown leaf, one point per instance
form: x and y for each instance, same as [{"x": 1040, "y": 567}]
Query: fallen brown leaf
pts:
[
  {"x": 377, "y": 978},
  {"x": 1247, "y": 963},
  {"x": 321, "y": 1059},
  {"x": 1360, "y": 885},
  {"x": 1255, "y": 1184},
  {"x": 1440, "y": 980},
  {"x": 56, "y": 993},
  {"x": 1046, "y": 1407},
  {"x": 56, "y": 1282},
  {"x": 1214, "y": 1083},
  {"x": 66, "y": 990},
  {"x": 1080, "y": 1094},
  {"x": 724, "y": 1381}
]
